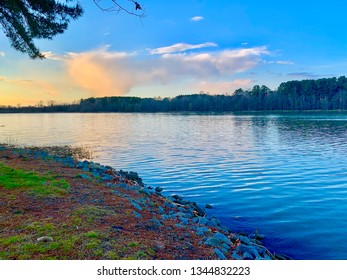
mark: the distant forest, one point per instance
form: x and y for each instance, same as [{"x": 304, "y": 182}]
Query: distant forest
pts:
[{"x": 320, "y": 94}]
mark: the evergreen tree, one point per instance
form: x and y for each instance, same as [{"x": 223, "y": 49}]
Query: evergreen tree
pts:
[{"x": 24, "y": 21}]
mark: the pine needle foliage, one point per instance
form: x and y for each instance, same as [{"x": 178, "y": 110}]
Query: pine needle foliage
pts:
[{"x": 24, "y": 21}]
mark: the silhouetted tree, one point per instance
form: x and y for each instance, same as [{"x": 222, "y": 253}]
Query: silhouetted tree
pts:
[{"x": 26, "y": 20}]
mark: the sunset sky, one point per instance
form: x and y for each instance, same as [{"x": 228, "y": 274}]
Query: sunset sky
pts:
[{"x": 180, "y": 47}]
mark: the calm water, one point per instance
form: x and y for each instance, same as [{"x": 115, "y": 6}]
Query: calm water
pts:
[{"x": 283, "y": 174}]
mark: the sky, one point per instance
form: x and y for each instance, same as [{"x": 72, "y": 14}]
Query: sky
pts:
[{"x": 180, "y": 47}]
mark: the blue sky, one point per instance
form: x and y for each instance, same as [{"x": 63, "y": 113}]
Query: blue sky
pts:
[{"x": 196, "y": 45}]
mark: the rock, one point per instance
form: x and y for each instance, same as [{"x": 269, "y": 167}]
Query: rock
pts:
[
  {"x": 184, "y": 221},
  {"x": 213, "y": 222},
  {"x": 179, "y": 214},
  {"x": 224, "y": 250},
  {"x": 202, "y": 231},
  {"x": 168, "y": 205},
  {"x": 158, "y": 246},
  {"x": 222, "y": 238},
  {"x": 208, "y": 206},
  {"x": 106, "y": 177},
  {"x": 156, "y": 222},
  {"x": 219, "y": 254},
  {"x": 146, "y": 191},
  {"x": 95, "y": 173},
  {"x": 161, "y": 210},
  {"x": 198, "y": 209},
  {"x": 137, "y": 206},
  {"x": 165, "y": 217},
  {"x": 159, "y": 189},
  {"x": 244, "y": 240},
  {"x": 133, "y": 176},
  {"x": 202, "y": 221},
  {"x": 214, "y": 242},
  {"x": 177, "y": 197},
  {"x": 235, "y": 256},
  {"x": 84, "y": 176},
  {"x": 181, "y": 202},
  {"x": 247, "y": 256},
  {"x": 250, "y": 249},
  {"x": 45, "y": 239}
]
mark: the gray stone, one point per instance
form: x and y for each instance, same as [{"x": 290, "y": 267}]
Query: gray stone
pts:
[
  {"x": 169, "y": 205},
  {"x": 156, "y": 222},
  {"x": 197, "y": 208},
  {"x": 247, "y": 256},
  {"x": 95, "y": 173},
  {"x": 208, "y": 206},
  {"x": 202, "y": 221},
  {"x": 222, "y": 237},
  {"x": 158, "y": 246},
  {"x": 161, "y": 210},
  {"x": 106, "y": 177},
  {"x": 45, "y": 239},
  {"x": 137, "y": 206},
  {"x": 177, "y": 197},
  {"x": 235, "y": 256},
  {"x": 213, "y": 222},
  {"x": 202, "y": 231},
  {"x": 219, "y": 254},
  {"x": 146, "y": 191},
  {"x": 159, "y": 189},
  {"x": 184, "y": 220},
  {"x": 84, "y": 176},
  {"x": 226, "y": 246},
  {"x": 85, "y": 168},
  {"x": 244, "y": 240},
  {"x": 250, "y": 249},
  {"x": 224, "y": 250},
  {"x": 180, "y": 214},
  {"x": 214, "y": 242}
]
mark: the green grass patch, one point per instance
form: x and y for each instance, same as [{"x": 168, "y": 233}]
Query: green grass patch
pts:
[
  {"x": 41, "y": 185},
  {"x": 92, "y": 234}
]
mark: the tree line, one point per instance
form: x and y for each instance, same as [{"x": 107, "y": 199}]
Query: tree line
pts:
[{"x": 320, "y": 94}]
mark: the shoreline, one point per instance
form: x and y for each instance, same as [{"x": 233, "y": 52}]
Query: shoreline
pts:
[{"x": 135, "y": 221}]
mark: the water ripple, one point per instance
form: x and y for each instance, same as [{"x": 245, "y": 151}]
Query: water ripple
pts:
[{"x": 285, "y": 174}]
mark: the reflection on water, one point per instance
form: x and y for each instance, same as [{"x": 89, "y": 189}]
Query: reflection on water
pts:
[{"x": 283, "y": 174}]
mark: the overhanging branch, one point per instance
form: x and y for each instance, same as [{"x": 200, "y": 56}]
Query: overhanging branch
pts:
[{"x": 137, "y": 10}]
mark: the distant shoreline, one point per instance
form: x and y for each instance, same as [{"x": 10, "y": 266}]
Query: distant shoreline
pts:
[{"x": 322, "y": 94}]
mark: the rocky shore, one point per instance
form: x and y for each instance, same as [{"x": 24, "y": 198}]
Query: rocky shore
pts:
[{"x": 128, "y": 218}]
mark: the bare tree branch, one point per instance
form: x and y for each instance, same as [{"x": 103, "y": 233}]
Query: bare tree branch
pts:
[{"x": 137, "y": 9}]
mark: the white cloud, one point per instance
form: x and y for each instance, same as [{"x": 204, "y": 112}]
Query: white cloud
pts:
[
  {"x": 285, "y": 62},
  {"x": 197, "y": 18},
  {"x": 2, "y": 54},
  {"x": 104, "y": 73},
  {"x": 219, "y": 63},
  {"x": 281, "y": 62},
  {"x": 181, "y": 47}
]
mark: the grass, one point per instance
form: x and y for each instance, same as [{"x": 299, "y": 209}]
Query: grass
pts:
[
  {"x": 77, "y": 152},
  {"x": 40, "y": 185},
  {"x": 84, "y": 219}
]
